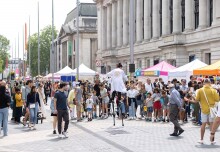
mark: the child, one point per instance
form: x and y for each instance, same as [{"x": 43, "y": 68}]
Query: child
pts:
[
  {"x": 89, "y": 106},
  {"x": 19, "y": 104},
  {"x": 165, "y": 106},
  {"x": 149, "y": 104},
  {"x": 96, "y": 102}
]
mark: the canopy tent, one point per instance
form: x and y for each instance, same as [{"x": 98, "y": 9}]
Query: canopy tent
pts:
[
  {"x": 159, "y": 69},
  {"x": 213, "y": 69},
  {"x": 84, "y": 71},
  {"x": 65, "y": 71},
  {"x": 49, "y": 76},
  {"x": 186, "y": 70}
]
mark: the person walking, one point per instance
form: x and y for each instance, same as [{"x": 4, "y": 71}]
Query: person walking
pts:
[
  {"x": 18, "y": 103},
  {"x": 33, "y": 103},
  {"x": 215, "y": 126},
  {"x": 25, "y": 91},
  {"x": 79, "y": 101},
  {"x": 61, "y": 108},
  {"x": 42, "y": 100},
  {"x": 175, "y": 107},
  {"x": 4, "y": 104},
  {"x": 207, "y": 97}
]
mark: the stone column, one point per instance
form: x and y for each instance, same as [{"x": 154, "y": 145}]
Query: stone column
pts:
[
  {"x": 177, "y": 16},
  {"x": 119, "y": 22},
  {"x": 109, "y": 26},
  {"x": 189, "y": 12},
  {"x": 203, "y": 14},
  {"x": 139, "y": 26},
  {"x": 104, "y": 27},
  {"x": 99, "y": 17},
  {"x": 147, "y": 24},
  {"x": 165, "y": 17},
  {"x": 114, "y": 24},
  {"x": 125, "y": 22},
  {"x": 156, "y": 19},
  {"x": 216, "y": 13}
]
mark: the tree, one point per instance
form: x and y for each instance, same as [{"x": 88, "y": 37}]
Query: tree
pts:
[
  {"x": 4, "y": 55},
  {"x": 45, "y": 45}
]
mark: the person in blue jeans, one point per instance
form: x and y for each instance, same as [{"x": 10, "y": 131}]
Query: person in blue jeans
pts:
[
  {"x": 33, "y": 103},
  {"x": 4, "y": 104}
]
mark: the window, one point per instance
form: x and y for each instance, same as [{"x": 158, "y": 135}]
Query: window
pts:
[
  {"x": 208, "y": 58},
  {"x": 183, "y": 14},
  {"x": 147, "y": 63},
  {"x": 139, "y": 63},
  {"x": 196, "y": 14},
  {"x": 160, "y": 12},
  {"x": 171, "y": 16},
  {"x": 191, "y": 58},
  {"x": 211, "y": 12},
  {"x": 151, "y": 17},
  {"x": 156, "y": 61}
]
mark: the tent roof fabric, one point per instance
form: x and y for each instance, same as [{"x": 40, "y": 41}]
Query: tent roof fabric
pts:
[
  {"x": 189, "y": 67},
  {"x": 162, "y": 66},
  {"x": 213, "y": 69},
  {"x": 65, "y": 71},
  {"x": 84, "y": 71}
]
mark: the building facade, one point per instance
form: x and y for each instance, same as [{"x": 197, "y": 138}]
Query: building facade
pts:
[
  {"x": 65, "y": 44},
  {"x": 176, "y": 31}
]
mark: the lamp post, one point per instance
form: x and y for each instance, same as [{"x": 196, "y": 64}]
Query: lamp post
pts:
[
  {"x": 77, "y": 41},
  {"x": 53, "y": 53},
  {"x": 131, "y": 31}
]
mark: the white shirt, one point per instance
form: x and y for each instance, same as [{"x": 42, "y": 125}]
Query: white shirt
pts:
[
  {"x": 89, "y": 103},
  {"x": 149, "y": 87},
  {"x": 132, "y": 93},
  {"x": 117, "y": 80}
]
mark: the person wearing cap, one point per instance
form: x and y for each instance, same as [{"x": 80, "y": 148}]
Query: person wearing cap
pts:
[
  {"x": 207, "y": 97},
  {"x": 175, "y": 107}
]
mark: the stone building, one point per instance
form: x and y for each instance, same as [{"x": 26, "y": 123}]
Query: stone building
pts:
[
  {"x": 65, "y": 44},
  {"x": 177, "y": 31}
]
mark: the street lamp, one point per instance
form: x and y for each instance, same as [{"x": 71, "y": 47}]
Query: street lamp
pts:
[
  {"x": 131, "y": 30},
  {"x": 77, "y": 41}
]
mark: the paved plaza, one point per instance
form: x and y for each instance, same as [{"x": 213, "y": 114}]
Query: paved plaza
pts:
[{"x": 102, "y": 136}]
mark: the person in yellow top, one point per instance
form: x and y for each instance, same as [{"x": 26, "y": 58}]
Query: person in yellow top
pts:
[
  {"x": 19, "y": 103},
  {"x": 71, "y": 103},
  {"x": 207, "y": 97}
]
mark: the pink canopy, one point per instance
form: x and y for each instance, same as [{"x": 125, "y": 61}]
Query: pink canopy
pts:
[{"x": 163, "y": 68}]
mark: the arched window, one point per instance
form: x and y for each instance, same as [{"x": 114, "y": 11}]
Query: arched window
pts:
[
  {"x": 160, "y": 12},
  {"x": 210, "y": 12},
  {"x": 171, "y": 16},
  {"x": 196, "y": 13},
  {"x": 183, "y": 14}
]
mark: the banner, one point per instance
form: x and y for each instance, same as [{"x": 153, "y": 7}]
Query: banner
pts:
[{"x": 70, "y": 48}]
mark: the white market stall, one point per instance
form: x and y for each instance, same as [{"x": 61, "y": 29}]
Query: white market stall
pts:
[
  {"x": 184, "y": 72},
  {"x": 85, "y": 73},
  {"x": 49, "y": 77},
  {"x": 67, "y": 71}
]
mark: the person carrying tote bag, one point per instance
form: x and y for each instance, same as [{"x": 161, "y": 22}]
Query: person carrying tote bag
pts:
[{"x": 33, "y": 103}]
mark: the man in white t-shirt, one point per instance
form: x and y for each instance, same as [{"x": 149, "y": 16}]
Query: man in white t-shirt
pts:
[{"x": 149, "y": 86}]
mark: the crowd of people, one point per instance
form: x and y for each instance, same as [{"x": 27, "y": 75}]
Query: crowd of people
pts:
[{"x": 153, "y": 101}]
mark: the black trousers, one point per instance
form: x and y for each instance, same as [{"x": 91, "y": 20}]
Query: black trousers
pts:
[
  {"x": 62, "y": 115},
  {"x": 115, "y": 93},
  {"x": 174, "y": 113}
]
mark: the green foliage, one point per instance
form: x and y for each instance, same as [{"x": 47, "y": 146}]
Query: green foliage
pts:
[
  {"x": 45, "y": 44},
  {"x": 4, "y": 47}
]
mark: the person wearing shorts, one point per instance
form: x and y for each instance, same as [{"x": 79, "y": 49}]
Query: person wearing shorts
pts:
[
  {"x": 89, "y": 106},
  {"x": 207, "y": 97}
]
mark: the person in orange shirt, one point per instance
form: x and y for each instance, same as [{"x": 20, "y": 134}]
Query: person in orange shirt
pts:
[{"x": 19, "y": 103}]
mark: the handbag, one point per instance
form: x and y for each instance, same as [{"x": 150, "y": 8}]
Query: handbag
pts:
[
  {"x": 213, "y": 110},
  {"x": 33, "y": 104}
]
